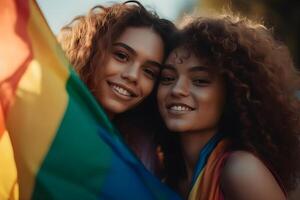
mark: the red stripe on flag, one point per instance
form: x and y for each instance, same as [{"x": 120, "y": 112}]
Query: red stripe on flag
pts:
[{"x": 2, "y": 127}]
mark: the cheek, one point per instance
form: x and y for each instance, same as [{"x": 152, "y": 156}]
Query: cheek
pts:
[
  {"x": 160, "y": 97},
  {"x": 109, "y": 68},
  {"x": 146, "y": 86},
  {"x": 211, "y": 107},
  {"x": 218, "y": 102},
  {"x": 161, "y": 94},
  {"x": 212, "y": 98}
]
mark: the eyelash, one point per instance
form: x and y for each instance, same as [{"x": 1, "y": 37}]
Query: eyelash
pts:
[
  {"x": 200, "y": 82},
  {"x": 166, "y": 80},
  {"x": 120, "y": 56},
  {"x": 151, "y": 73}
]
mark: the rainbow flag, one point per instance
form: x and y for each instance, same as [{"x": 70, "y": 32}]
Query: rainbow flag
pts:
[
  {"x": 64, "y": 145},
  {"x": 206, "y": 179}
]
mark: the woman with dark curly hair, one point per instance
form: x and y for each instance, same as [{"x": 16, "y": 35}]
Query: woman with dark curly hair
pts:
[
  {"x": 117, "y": 51},
  {"x": 228, "y": 91}
]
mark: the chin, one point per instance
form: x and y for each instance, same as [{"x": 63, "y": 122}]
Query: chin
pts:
[
  {"x": 177, "y": 127},
  {"x": 114, "y": 107},
  {"x": 118, "y": 109}
]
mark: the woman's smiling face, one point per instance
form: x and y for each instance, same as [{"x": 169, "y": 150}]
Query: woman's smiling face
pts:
[
  {"x": 190, "y": 97},
  {"x": 131, "y": 70}
]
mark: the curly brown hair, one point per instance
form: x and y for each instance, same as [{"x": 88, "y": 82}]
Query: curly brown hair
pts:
[
  {"x": 88, "y": 39},
  {"x": 262, "y": 112}
]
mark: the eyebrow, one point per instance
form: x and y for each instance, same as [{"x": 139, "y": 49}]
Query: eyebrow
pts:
[
  {"x": 199, "y": 68},
  {"x": 132, "y": 51},
  {"x": 156, "y": 64},
  {"x": 170, "y": 67},
  {"x": 192, "y": 69},
  {"x": 125, "y": 46}
]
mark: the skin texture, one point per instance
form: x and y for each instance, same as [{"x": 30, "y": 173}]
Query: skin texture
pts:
[
  {"x": 131, "y": 70},
  {"x": 245, "y": 177}
]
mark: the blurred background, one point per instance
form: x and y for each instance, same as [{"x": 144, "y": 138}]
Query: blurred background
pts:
[{"x": 281, "y": 15}]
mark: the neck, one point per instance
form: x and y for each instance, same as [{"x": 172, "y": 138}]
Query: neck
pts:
[
  {"x": 192, "y": 144},
  {"x": 110, "y": 114}
]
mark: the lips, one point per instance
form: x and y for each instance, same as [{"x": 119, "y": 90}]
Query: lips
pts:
[
  {"x": 122, "y": 89},
  {"x": 179, "y": 107}
]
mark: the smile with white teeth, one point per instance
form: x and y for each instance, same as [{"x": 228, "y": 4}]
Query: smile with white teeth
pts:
[
  {"x": 121, "y": 91},
  {"x": 180, "y": 108}
]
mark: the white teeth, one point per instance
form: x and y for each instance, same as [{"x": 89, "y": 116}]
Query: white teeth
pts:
[
  {"x": 180, "y": 108},
  {"x": 121, "y": 90}
]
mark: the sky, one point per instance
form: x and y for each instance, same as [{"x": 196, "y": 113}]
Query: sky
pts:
[{"x": 60, "y": 12}]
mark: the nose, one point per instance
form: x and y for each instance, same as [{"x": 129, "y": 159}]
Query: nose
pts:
[
  {"x": 131, "y": 73},
  {"x": 181, "y": 88}
]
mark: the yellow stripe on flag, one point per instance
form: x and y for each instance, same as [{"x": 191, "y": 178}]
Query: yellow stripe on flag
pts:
[
  {"x": 195, "y": 190},
  {"x": 8, "y": 172},
  {"x": 40, "y": 98},
  {"x": 39, "y": 92}
]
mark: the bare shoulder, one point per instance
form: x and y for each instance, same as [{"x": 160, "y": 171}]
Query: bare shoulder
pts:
[{"x": 244, "y": 176}]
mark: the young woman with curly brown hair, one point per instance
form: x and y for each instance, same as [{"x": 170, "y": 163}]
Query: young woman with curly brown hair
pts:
[
  {"x": 227, "y": 95},
  {"x": 118, "y": 51}
]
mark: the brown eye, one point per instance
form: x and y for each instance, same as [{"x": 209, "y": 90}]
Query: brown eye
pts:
[
  {"x": 200, "y": 82},
  {"x": 151, "y": 73},
  {"x": 166, "y": 79},
  {"x": 121, "y": 56}
]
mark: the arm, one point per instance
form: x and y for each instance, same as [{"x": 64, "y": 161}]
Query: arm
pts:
[{"x": 245, "y": 177}]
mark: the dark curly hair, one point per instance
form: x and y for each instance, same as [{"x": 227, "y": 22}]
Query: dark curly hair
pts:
[{"x": 262, "y": 112}]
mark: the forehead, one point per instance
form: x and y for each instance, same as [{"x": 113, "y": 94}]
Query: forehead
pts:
[
  {"x": 143, "y": 40},
  {"x": 182, "y": 57},
  {"x": 138, "y": 33}
]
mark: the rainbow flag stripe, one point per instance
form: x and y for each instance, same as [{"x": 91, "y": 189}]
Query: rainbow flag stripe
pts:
[
  {"x": 206, "y": 182},
  {"x": 8, "y": 172},
  {"x": 64, "y": 144}
]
